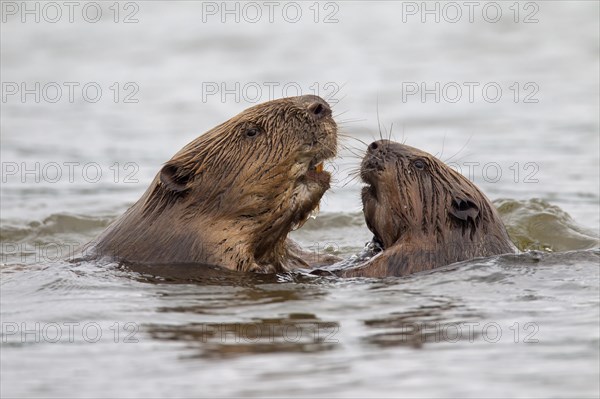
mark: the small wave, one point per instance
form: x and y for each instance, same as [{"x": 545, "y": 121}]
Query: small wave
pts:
[
  {"x": 50, "y": 240},
  {"x": 55, "y": 224},
  {"x": 537, "y": 225}
]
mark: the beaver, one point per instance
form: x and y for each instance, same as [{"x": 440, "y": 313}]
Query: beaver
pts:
[
  {"x": 423, "y": 214},
  {"x": 231, "y": 196}
]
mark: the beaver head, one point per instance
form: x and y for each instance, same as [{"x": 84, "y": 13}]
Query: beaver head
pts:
[{"x": 412, "y": 196}]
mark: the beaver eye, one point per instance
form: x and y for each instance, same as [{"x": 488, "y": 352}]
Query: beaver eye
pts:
[
  {"x": 252, "y": 131},
  {"x": 419, "y": 164}
]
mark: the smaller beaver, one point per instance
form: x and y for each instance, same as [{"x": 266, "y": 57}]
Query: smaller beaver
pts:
[{"x": 423, "y": 214}]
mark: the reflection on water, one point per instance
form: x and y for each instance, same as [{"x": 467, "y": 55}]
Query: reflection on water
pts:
[
  {"x": 416, "y": 327},
  {"x": 184, "y": 273},
  {"x": 303, "y": 333}
]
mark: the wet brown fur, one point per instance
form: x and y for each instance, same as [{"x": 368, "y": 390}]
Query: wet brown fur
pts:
[
  {"x": 231, "y": 196},
  {"x": 423, "y": 217}
]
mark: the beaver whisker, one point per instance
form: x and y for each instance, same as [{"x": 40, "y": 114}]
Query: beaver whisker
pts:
[
  {"x": 349, "y": 146},
  {"x": 353, "y": 171},
  {"x": 442, "y": 152},
  {"x": 459, "y": 151},
  {"x": 336, "y": 115},
  {"x": 334, "y": 166},
  {"x": 350, "y": 179},
  {"x": 346, "y": 136},
  {"x": 389, "y": 133},
  {"x": 353, "y": 120},
  {"x": 352, "y": 152},
  {"x": 378, "y": 119},
  {"x": 352, "y": 175},
  {"x": 344, "y": 184},
  {"x": 339, "y": 100}
]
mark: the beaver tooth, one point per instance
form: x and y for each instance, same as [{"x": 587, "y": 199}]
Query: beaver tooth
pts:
[
  {"x": 313, "y": 214},
  {"x": 319, "y": 167}
]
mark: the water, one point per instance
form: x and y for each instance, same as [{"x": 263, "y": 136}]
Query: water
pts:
[{"x": 524, "y": 325}]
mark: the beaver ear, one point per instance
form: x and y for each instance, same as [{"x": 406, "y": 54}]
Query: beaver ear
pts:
[
  {"x": 175, "y": 178},
  {"x": 464, "y": 209}
]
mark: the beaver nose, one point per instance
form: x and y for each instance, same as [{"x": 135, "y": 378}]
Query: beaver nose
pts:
[
  {"x": 316, "y": 106},
  {"x": 378, "y": 146},
  {"x": 319, "y": 109}
]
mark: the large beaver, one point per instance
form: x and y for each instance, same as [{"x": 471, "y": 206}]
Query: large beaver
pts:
[
  {"x": 231, "y": 196},
  {"x": 423, "y": 214}
]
